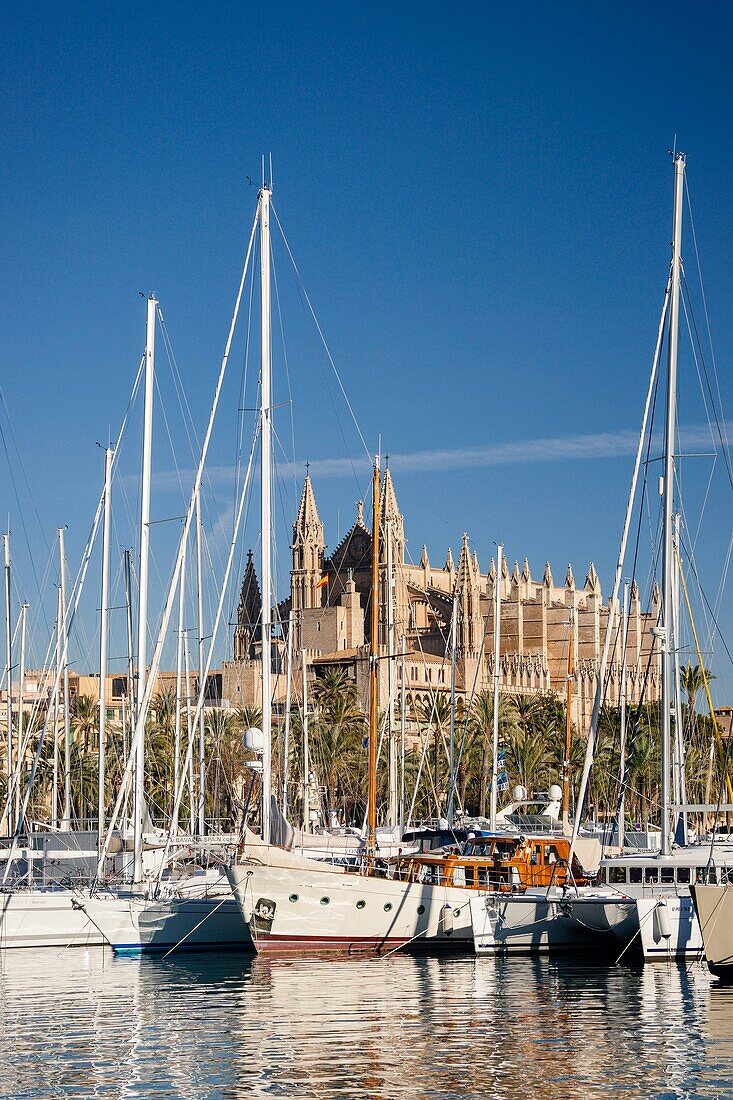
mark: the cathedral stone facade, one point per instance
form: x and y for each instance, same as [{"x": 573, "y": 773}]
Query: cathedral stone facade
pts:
[{"x": 328, "y": 613}]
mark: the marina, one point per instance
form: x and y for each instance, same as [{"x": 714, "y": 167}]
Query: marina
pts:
[{"x": 314, "y": 780}]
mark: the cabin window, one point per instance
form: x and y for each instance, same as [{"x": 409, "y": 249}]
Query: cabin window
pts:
[
  {"x": 387, "y": 906},
  {"x": 635, "y": 874},
  {"x": 469, "y": 876},
  {"x": 360, "y": 904},
  {"x": 617, "y": 874},
  {"x": 459, "y": 876},
  {"x": 293, "y": 897},
  {"x": 683, "y": 874},
  {"x": 420, "y": 909},
  {"x": 483, "y": 876},
  {"x": 325, "y": 901},
  {"x": 651, "y": 874},
  {"x": 667, "y": 874}
]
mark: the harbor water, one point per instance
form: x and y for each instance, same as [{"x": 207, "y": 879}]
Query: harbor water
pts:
[{"x": 85, "y": 1024}]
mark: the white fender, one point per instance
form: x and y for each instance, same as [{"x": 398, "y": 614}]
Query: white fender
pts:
[{"x": 661, "y": 920}]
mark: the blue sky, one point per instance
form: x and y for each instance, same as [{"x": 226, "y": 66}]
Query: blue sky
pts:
[{"x": 478, "y": 197}]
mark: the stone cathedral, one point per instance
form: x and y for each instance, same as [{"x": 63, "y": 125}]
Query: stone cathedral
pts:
[{"x": 328, "y": 613}]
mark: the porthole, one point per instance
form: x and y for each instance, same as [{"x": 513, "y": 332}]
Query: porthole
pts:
[
  {"x": 456, "y": 912},
  {"x": 360, "y": 904},
  {"x": 421, "y": 909},
  {"x": 293, "y": 897},
  {"x": 387, "y": 906},
  {"x": 325, "y": 901}
]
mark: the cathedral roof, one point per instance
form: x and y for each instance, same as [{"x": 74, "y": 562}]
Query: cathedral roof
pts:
[{"x": 355, "y": 547}]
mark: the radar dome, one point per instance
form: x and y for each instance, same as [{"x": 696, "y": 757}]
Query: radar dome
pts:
[{"x": 253, "y": 739}]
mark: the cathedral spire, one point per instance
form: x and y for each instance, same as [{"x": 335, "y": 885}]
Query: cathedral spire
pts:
[
  {"x": 392, "y": 524},
  {"x": 249, "y": 628},
  {"x": 308, "y": 526},
  {"x": 308, "y": 547},
  {"x": 470, "y": 620}
]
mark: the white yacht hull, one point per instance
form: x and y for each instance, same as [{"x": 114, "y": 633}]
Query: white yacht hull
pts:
[
  {"x": 44, "y": 918},
  {"x": 544, "y": 922},
  {"x": 304, "y": 910},
  {"x": 668, "y": 927},
  {"x": 133, "y": 925},
  {"x": 714, "y": 909}
]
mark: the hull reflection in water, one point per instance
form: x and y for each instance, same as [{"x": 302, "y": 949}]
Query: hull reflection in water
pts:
[{"x": 407, "y": 1027}]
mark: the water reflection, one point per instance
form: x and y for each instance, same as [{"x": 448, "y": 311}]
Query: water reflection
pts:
[{"x": 86, "y": 1024}]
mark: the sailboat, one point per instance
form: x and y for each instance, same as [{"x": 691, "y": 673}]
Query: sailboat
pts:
[{"x": 643, "y": 900}]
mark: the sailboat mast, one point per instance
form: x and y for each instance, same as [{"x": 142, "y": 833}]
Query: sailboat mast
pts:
[
  {"x": 66, "y": 815},
  {"x": 265, "y": 506},
  {"x": 202, "y": 685},
  {"x": 142, "y": 608},
  {"x": 371, "y": 839},
  {"x": 8, "y": 664},
  {"x": 21, "y": 686},
  {"x": 103, "y": 644},
  {"x": 452, "y": 731},
  {"x": 622, "y": 735},
  {"x": 497, "y": 657},
  {"x": 668, "y": 490},
  {"x": 568, "y": 727},
  {"x": 306, "y": 749},
  {"x": 391, "y": 740},
  {"x": 286, "y": 737}
]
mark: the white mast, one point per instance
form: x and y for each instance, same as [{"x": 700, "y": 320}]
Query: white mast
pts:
[
  {"x": 55, "y": 793},
  {"x": 622, "y": 735},
  {"x": 201, "y": 829},
  {"x": 452, "y": 740},
  {"x": 403, "y": 723},
  {"x": 142, "y": 609},
  {"x": 668, "y": 489},
  {"x": 66, "y": 814},
  {"x": 286, "y": 738},
  {"x": 265, "y": 508},
  {"x": 8, "y": 666},
  {"x": 104, "y": 643},
  {"x": 21, "y": 685},
  {"x": 306, "y": 747},
  {"x": 179, "y": 691},
  {"x": 497, "y": 651},
  {"x": 392, "y": 779},
  {"x": 679, "y": 793}
]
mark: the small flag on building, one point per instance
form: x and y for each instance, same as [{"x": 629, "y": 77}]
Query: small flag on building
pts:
[{"x": 323, "y": 581}]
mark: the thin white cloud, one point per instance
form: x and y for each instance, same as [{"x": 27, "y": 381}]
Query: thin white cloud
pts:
[{"x": 585, "y": 447}]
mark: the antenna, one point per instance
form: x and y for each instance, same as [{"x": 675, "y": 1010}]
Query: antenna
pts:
[{"x": 271, "y": 187}]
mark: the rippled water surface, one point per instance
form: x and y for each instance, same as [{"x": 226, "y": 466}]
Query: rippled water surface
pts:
[{"x": 86, "y": 1024}]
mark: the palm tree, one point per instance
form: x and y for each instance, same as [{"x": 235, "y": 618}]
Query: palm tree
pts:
[
  {"x": 337, "y": 733},
  {"x": 434, "y": 714},
  {"x": 692, "y": 680},
  {"x": 84, "y": 720},
  {"x": 478, "y": 751}
]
